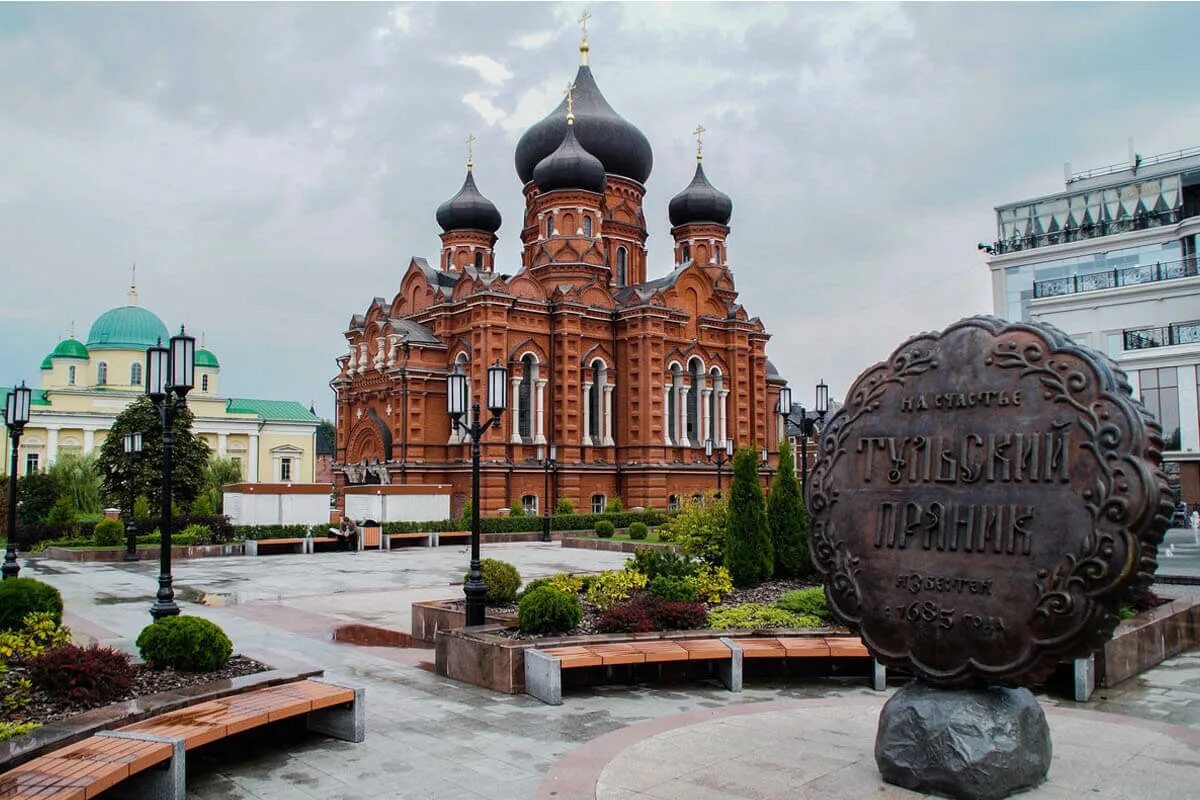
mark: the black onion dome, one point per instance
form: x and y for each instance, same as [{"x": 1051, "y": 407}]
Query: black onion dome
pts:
[
  {"x": 700, "y": 202},
  {"x": 569, "y": 167},
  {"x": 468, "y": 210},
  {"x": 620, "y": 146}
]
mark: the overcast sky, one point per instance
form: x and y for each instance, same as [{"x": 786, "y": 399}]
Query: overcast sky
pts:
[{"x": 272, "y": 168}]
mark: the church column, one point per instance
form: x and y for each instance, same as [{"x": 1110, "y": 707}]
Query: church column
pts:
[
  {"x": 705, "y": 393},
  {"x": 682, "y": 406},
  {"x": 608, "y": 413},
  {"x": 516, "y": 410},
  {"x": 667, "y": 414},
  {"x": 222, "y": 444},
  {"x": 253, "y": 476},
  {"x": 540, "y": 437},
  {"x": 89, "y": 440},
  {"x": 362, "y": 358},
  {"x": 587, "y": 413},
  {"x": 722, "y": 415},
  {"x": 51, "y": 445}
]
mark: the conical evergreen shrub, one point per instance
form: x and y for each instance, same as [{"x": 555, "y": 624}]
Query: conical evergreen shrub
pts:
[
  {"x": 749, "y": 556},
  {"x": 788, "y": 519}
]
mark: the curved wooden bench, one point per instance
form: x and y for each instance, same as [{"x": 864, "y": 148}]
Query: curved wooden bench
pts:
[
  {"x": 296, "y": 544},
  {"x": 150, "y": 754},
  {"x": 429, "y": 537},
  {"x": 544, "y": 666},
  {"x": 451, "y": 537}
]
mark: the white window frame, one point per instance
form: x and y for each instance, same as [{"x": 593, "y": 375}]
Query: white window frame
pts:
[
  {"x": 598, "y": 508},
  {"x": 530, "y": 503}
]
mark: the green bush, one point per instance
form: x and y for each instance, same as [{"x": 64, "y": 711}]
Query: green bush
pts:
[
  {"x": 108, "y": 532},
  {"x": 604, "y": 529},
  {"x": 20, "y": 597},
  {"x": 749, "y": 555},
  {"x": 671, "y": 589},
  {"x": 9, "y": 730},
  {"x": 653, "y": 561},
  {"x": 612, "y": 586},
  {"x": 787, "y": 519},
  {"x": 62, "y": 512},
  {"x": 699, "y": 528},
  {"x": 197, "y": 533},
  {"x": 141, "y": 507},
  {"x": 547, "y": 610},
  {"x": 532, "y": 585},
  {"x": 564, "y": 506},
  {"x": 502, "y": 581},
  {"x": 203, "y": 505},
  {"x": 614, "y": 506},
  {"x": 638, "y": 530},
  {"x": 189, "y": 644},
  {"x": 516, "y": 510},
  {"x": 464, "y": 520},
  {"x": 809, "y": 601},
  {"x": 759, "y": 615},
  {"x": 561, "y": 522}
]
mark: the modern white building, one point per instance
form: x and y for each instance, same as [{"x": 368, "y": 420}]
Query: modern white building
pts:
[{"x": 1112, "y": 260}]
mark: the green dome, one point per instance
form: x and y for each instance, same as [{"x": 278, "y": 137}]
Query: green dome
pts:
[
  {"x": 127, "y": 328},
  {"x": 46, "y": 363},
  {"x": 205, "y": 358},
  {"x": 69, "y": 348}
]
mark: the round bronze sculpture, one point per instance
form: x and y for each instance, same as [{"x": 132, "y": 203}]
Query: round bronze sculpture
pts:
[{"x": 983, "y": 501}]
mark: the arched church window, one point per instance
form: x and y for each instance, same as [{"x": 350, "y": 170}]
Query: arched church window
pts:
[
  {"x": 599, "y": 377},
  {"x": 204, "y": 383},
  {"x": 686, "y": 253},
  {"x": 70, "y": 376},
  {"x": 549, "y": 225},
  {"x": 587, "y": 226},
  {"x": 711, "y": 433},
  {"x": 525, "y": 395},
  {"x": 479, "y": 261},
  {"x": 449, "y": 260},
  {"x": 102, "y": 373},
  {"x": 717, "y": 253},
  {"x": 135, "y": 373},
  {"x": 622, "y": 265},
  {"x": 696, "y": 376},
  {"x": 672, "y": 405}
]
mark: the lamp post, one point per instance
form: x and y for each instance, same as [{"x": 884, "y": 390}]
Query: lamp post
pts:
[
  {"x": 16, "y": 415},
  {"x": 133, "y": 454},
  {"x": 807, "y": 425},
  {"x": 548, "y": 466},
  {"x": 722, "y": 458},
  {"x": 170, "y": 375},
  {"x": 456, "y": 406}
]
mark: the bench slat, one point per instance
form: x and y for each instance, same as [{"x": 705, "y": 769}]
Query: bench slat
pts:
[
  {"x": 705, "y": 649},
  {"x": 805, "y": 647},
  {"x": 656, "y": 652},
  {"x": 849, "y": 646},
  {"x": 761, "y": 648},
  {"x": 621, "y": 653}
]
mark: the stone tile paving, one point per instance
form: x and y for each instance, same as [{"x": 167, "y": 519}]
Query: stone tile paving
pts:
[{"x": 429, "y": 737}]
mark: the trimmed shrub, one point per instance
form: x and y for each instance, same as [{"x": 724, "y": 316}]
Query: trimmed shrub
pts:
[
  {"x": 85, "y": 676},
  {"x": 711, "y": 583},
  {"x": 749, "y": 555},
  {"x": 604, "y": 529},
  {"x": 759, "y": 615},
  {"x": 611, "y": 587},
  {"x": 614, "y": 506},
  {"x": 629, "y": 617},
  {"x": 516, "y": 510},
  {"x": 502, "y": 581},
  {"x": 536, "y": 583},
  {"x": 196, "y": 533},
  {"x": 189, "y": 644},
  {"x": 676, "y": 590},
  {"x": 677, "y": 616},
  {"x": 547, "y": 610},
  {"x": 638, "y": 530},
  {"x": 564, "y": 506},
  {"x": 20, "y": 597},
  {"x": 39, "y": 633},
  {"x": 699, "y": 529},
  {"x": 63, "y": 512},
  {"x": 787, "y": 519},
  {"x": 108, "y": 532},
  {"x": 653, "y": 562},
  {"x": 141, "y": 507},
  {"x": 809, "y": 601}
]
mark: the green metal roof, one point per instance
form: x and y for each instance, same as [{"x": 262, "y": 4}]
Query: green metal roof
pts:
[
  {"x": 205, "y": 358},
  {"x": 47, "y": 363},
  {"x": 273, "y": 410},
  {"x": 70, "y": 348},
  {"x": 36, "y": 398},
  {"x": 127, "y": 328}
]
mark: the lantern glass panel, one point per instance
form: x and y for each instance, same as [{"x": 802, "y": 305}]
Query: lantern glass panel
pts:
[
  {"x": 729, "y": 447},
  {"x": 156, "y": 370},
  {"x": 183, "y": 362},
  {"x": 456, "y": 394},
  {"x": 785, "y": 401},
  {"x": 708, "y": 448},
  {"x": 822, "y": 397},
  {"x": 497, "y": 388},
  {"x": 23, "y": 395},
  {"x": 553, "y": 453}
]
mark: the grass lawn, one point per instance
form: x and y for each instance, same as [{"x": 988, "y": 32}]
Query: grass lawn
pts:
[{"x": 651, "y": 537}]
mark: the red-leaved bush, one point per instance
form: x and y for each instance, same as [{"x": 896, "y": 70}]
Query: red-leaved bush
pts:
[
  {"x": 85, "y": 676},
  {"x": 627, "y": 617},
  {"x": 678, "y": 616},
  {"x": 646, "y": 612}
]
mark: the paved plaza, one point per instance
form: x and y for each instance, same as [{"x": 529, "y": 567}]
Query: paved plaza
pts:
[{"x": 430, "y": 737}]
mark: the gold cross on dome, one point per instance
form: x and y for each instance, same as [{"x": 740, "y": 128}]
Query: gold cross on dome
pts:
[
  {"x": 583, "y": 20},
  {"x": 570, "y": 90},
  {"x": 699, "y": 133},
  {"x": 470, "y": 150}
]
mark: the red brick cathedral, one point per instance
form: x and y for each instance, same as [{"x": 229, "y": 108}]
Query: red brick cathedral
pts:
[{"x": 626, "y": 376}]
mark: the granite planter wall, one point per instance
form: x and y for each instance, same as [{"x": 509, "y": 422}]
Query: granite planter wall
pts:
[
  {"x": 1149, "y": 638},
  {"x": 431, "y": 616},
  {"x": 145, "y": 553},
  {"x": 613, "y": 545}
]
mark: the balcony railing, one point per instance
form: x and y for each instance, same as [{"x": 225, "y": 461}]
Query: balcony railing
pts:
[
  {"x": 1137, "y": 222},
  {"x": 1113, "y": 169},
  {"x": 1176, "y": 333},
  {"x": 1113, "y": 278}
]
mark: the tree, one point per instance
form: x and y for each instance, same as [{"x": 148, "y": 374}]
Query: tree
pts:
[
  {"x": 749, "y": 556},
  {"x": 36, "y": 495},
  {"x": 788, "y": 519},
  {"x": 190, "y": 455},
  {"x": 326, "y": 437},
  {"x": 78, "y": 477},
  {"x": 218, "y": 473},
  {"x": 699, "y": 529}
]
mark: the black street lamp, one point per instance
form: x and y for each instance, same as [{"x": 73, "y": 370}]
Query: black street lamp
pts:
[
  {"x": 133, "y": 454},
  {"x": 548, "y": 466},
  {"x": 723, "y": 457},
  {"x": 456, "y": 406},
  {"x": 170, "y": 375},
  {"x": 16, "y": 416},
  {"x": 806, "y": 424}
]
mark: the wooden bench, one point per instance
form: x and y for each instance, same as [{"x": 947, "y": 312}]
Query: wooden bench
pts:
[
  {"x": 296, "y": 545},
  {"x": 313, "y": 541},
  {"x": 451, "y": 537},
  {"x": 544, "y": 666},
  {"x": 430, "y": 539},
  {"x": 148, "y": 756}
]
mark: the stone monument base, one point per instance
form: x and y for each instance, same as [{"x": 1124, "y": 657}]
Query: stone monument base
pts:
[{"x": 976, "y": 744}]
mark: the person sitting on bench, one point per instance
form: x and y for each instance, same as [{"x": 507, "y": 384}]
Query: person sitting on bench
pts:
[{"x": 347, "y": 534}]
